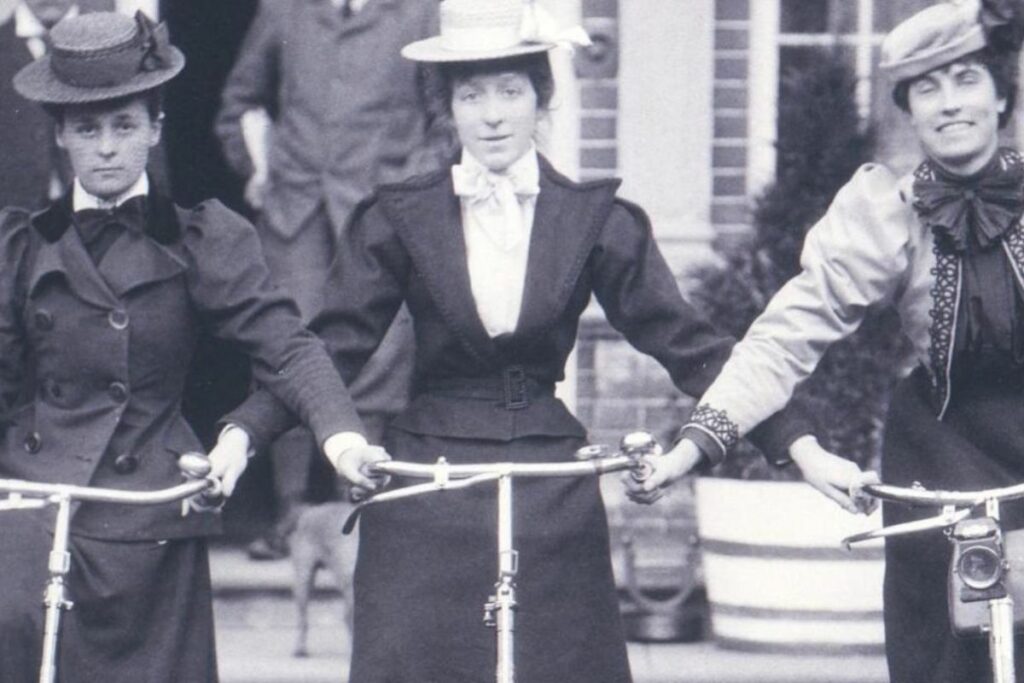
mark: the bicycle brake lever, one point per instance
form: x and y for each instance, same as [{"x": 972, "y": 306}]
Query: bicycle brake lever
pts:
[
  {"x": 942, "y": 521},
  {"x": 415, "y": 490}
]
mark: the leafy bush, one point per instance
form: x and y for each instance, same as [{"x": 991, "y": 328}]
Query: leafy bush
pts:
[{"x": 821, "y": 144}]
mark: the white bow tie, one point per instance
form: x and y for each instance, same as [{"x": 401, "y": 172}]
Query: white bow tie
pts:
[
  {"x": 495, "y": 197},
  {"x": 480, "y": 185}
]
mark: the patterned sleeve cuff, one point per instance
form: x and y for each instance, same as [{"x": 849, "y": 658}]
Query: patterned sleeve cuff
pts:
[{"x": 716, "y": 424}]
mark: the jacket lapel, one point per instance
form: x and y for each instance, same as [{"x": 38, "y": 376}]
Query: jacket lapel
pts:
[
  {"x": 61, "y": 251},
  {"x": 566, "y": 223},
  {"x": 430, "y": 222},
  {"x": 138, "y": 258},
  {"x": 135, "y": 258}
]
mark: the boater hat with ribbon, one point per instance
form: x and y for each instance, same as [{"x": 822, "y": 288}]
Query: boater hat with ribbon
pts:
[
  {"x": 100, "y": 56},
  {"x": 945, "y": 32},
  {"x": 475, "y": 30}
]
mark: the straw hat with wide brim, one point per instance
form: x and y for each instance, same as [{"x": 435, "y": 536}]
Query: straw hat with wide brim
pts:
[
  {"x": 100, "y": 56},
  {"x": 477, "y": 30}
]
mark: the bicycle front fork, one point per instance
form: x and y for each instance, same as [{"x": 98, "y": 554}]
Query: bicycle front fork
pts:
[
  {"x": 500, "y": 608},
  {"x": 54, "y": 598},
  {"x": 1000, "y": 640}
]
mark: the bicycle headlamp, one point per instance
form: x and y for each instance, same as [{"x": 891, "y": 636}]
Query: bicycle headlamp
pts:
[
  {"x": 980, "y": 567},
  {"x": 978, "y": 553}
]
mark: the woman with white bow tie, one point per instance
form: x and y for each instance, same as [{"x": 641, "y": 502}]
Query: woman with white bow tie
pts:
[{"x": 496, "y": 257}]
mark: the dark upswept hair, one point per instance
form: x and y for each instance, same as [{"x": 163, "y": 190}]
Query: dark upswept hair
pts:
[
  {"x": 440, "y": 79},
  {"x": 1001, "y": 64},
  {"x": 153, "y": 99}
]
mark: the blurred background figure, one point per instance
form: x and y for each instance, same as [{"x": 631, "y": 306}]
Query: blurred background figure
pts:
[
  {"x": 32, "y": 170},
  {"x": 318, "y": 110}
]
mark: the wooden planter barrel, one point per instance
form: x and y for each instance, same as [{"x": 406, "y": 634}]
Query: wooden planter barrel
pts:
[{"x": 777, "y": 577}]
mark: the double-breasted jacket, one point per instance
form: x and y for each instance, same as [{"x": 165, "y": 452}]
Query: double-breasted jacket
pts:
[{"x": 93, "y": 359}]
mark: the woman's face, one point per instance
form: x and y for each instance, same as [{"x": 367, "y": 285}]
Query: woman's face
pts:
[
  {"x": 108, "y": 148},
  {"x": 495, "y": 116},
  {"x": 955, "y": 112}
]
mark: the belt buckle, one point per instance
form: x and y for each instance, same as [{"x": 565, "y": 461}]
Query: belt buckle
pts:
[{"x": 516, "y": 396}]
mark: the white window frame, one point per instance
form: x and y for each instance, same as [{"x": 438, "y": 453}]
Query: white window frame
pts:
[{"x": 766, "y": 40}]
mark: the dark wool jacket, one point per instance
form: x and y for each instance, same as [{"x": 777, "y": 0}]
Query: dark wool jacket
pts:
[
  {"x": 406, "y": 244},
  {"x": 93, "y": 359}
]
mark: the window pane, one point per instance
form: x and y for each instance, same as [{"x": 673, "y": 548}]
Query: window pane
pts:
[
  {"x": 888, "y": 13},
  {"x": 804, "y": 16},
  {"x": 819, "y": 16}
]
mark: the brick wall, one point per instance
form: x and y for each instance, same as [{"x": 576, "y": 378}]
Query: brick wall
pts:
[
  {"x": 730, "y": 213},
  {"x": 599, "y": 93}
]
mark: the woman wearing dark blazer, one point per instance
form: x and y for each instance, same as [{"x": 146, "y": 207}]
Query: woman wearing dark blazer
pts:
[
  {"x": 102, "y": 297},
  {"x": 497, "y": 257}
]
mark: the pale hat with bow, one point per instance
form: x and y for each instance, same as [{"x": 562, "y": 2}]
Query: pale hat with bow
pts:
[
  {"x": 476, "y": 30},
  {"x": 100, "y": 56}
]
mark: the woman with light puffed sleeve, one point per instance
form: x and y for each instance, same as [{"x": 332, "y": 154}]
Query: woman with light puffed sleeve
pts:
[{"x": 945, "y": 247}]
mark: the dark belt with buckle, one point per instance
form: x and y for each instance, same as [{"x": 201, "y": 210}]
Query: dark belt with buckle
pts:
[{"x": 513, "y": 388}]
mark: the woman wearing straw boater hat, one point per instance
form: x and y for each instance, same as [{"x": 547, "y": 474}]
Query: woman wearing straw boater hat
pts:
[
  {"x": 102, "y": 298},
  {"x": 497, "y": 257},
  {"x": 945, "y": 246}
]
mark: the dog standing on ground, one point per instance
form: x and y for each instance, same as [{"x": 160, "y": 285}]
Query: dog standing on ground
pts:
[{"x": 317, "y": 542}]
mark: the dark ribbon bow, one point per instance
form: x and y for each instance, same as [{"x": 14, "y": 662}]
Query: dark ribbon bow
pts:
[
  {"x": 99, "y": 228},
  {"x": 1003, "y": 23},
  {"x": 984, "y": 205},
  {"x": 155, "y": 41}
]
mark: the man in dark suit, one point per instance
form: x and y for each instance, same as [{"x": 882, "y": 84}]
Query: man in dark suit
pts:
[{"x": 319, "y": 109}]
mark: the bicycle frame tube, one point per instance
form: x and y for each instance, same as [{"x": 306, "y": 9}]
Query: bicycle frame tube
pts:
[
  {"x": 500, "y": 608},
  {"x": 55, "y": 599},
  {"x": 1000, "y": 637},
  {"x": 59, "y": 563},
  {"x": 1000, "y": 632}
]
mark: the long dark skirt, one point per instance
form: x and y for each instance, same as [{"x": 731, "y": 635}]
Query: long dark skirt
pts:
[
  {"x": 979, "y": 444},
  {"x": 426, "y": 566},
  {"x": 141, "y": 610}
]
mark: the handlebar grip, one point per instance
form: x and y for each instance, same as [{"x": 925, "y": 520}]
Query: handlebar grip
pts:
[{"x": 194, "y": 465}]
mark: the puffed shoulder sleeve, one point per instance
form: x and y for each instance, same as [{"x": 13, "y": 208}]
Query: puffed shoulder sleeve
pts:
[
  {"x": 641, "y": 298},
  {"x": 856, "y": 256},
  {"x": 230, "y": 285},
  {"x": 14, "y": 240}
]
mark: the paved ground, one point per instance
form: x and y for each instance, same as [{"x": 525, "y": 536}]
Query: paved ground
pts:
[{"x": 255, "y": 631}]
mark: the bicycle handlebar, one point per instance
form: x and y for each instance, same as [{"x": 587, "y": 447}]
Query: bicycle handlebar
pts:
[
  {"x": 599, "y": 465},
  {"x": 89, "y": 493},
  {"x": 922, "y": 497},
  {"x": 195, "y": 467},
  {"x": 591, "y": 460},
  {"x": 918, "y": 496}
]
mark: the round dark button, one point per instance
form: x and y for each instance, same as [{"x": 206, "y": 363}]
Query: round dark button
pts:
[
  {"x": 118, "y": 319},
  {"x": 53, "y": 388},
  {"x": 33, "y": 442},
  {"x": 126, "y": 463},
  {"x": 118, "y": 392},
  {"x": 44, "y": 320}
]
